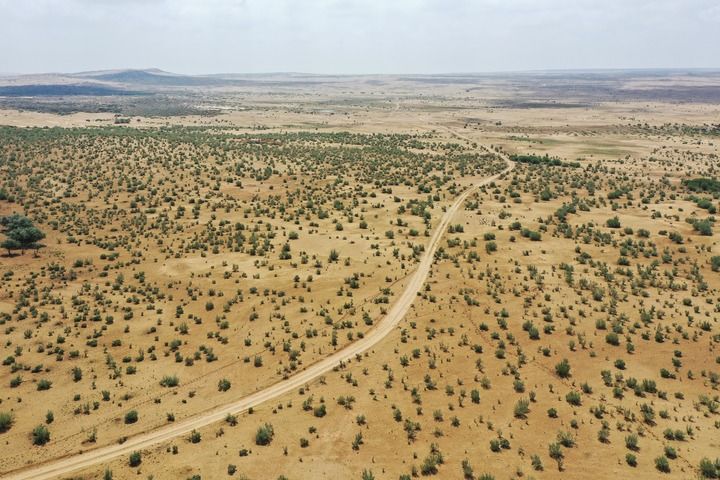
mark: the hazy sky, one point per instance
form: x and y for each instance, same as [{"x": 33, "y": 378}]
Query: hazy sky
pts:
[{"x": 357, "y": 36}]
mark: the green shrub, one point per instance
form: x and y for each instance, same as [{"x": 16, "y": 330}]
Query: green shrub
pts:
[
  {"x": 662, "y": 464},
  {"x": 264, "y": 434},
  {"x": 44, "y": 384},
  {"x": 563, "y": 369},
  {"x": 131, "y": 417},
  {"x": 6, "y": 421},
  {"x": 573, "y": 398},
  {"x": 631, "y": 442},
  {"x": 522, "y": 408},
  {"x": 708, "y": 469},
  {"x": 40, "y": 435},
  {"x": 170, "y": 381}
]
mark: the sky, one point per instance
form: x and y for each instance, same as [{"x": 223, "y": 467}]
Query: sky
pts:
[{"x": 357, "y": 36}]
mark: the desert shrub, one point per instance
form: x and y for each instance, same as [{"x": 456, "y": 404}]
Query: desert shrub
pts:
[
  {"x": 264, "y": 434},
  {"x": 131, "y": 417},
  {"x": 708, "y": 469},
  {"x": 555, "y": 452},
  {"x": 563, "y": 369},
  {"x": 40, "y": 435},
  {"x": 6, "y": 421},
  {"x": 573, "y": 398},
  {"x": 44, "y": 384},
  {"x": 170, "y": 381},
  {"x": 522, "y": 408},
  {"x": 715, "y": 263},
  {"x": 135, "y": 459},
  {"x": 631, "y": 442},
  {"x": 662, "y": 464}
]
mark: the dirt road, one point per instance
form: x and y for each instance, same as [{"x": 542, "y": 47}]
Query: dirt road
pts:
[{"x": 400, "y": 307}]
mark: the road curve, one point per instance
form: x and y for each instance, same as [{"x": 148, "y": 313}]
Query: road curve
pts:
[{"x": 401, "y": 305}]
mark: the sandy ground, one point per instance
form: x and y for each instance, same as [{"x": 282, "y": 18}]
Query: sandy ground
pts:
[{"x": 467, "y": 329}]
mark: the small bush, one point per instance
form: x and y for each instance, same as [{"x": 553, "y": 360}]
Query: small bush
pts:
[
  {"x": 6, "y": 421},
  {"x": 131, "y": 417},
  {"x": 662, "y": 464},
  {"x": 613, "y": 222},
  {"x": 264, "y": 434},
  {"x": 40, "y": 435},
  {"x": 563, "y": 369},
  {"x": 170, "y": 381}
]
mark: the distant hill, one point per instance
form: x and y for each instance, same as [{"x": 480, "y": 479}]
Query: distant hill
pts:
[{"x": 150, "y": 77}]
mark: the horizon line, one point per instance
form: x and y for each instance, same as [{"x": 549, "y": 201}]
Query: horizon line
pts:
[{"x": 157, "y": 70}]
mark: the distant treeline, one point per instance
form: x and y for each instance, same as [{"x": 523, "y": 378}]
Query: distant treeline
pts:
[
  {"x": 543, "y": 160},
  {"x": 702, "y": 185},
  {"x": 62, "y": 91}
]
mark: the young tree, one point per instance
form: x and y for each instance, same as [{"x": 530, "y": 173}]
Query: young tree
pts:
[{"x": 10, "y": 244}]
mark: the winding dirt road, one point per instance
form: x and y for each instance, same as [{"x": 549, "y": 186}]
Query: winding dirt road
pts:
[{"x": 63, "y": 466}]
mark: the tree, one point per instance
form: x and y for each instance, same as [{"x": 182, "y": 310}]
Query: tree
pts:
[
  {"x": 135, "y": 459},
  {"x": 10, "y": 244},
  {"x": 21, "y": 233}
]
